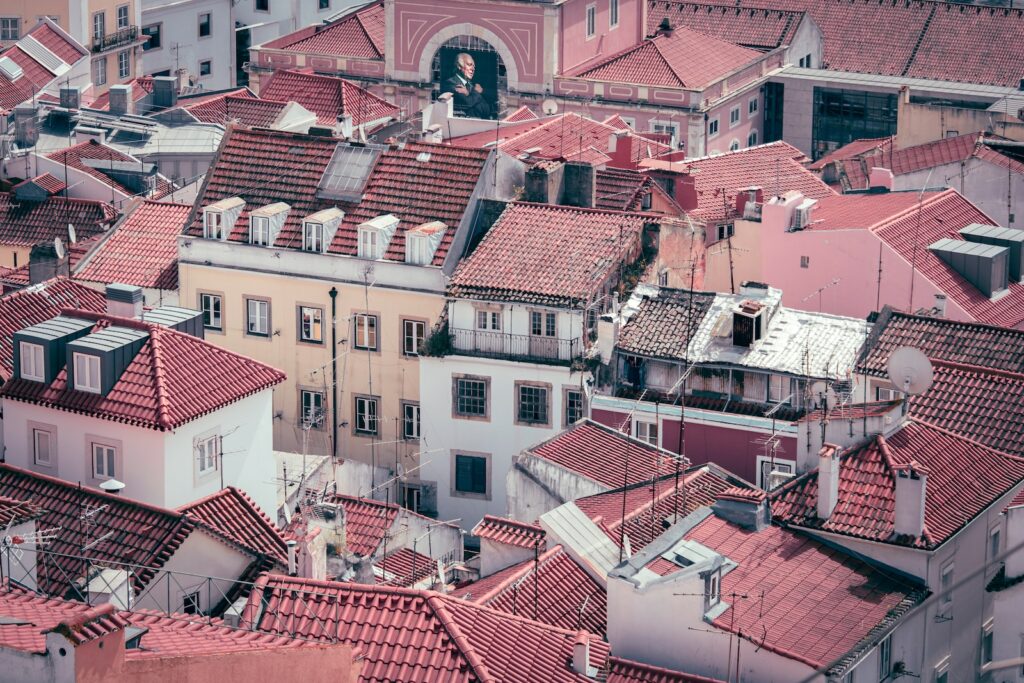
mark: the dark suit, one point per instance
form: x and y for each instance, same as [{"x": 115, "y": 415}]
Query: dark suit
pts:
[{"x": 472, "y": 105}]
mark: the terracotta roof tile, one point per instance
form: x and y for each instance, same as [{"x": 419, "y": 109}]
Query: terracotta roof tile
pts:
[
  {"x": 509, "y": 532},
  {"x": 173, "y": 379},
  {"x": 132, "y": 532},
  {"x": 661, "y": 326},
  {"x": 626, "y": 671},
  {"x": 760, "y": 29},
  {"x": 359, "y": 34},
  {"x": 857, "y": 148},
  {"x": 142, "y": 250},
  {"x": 34, "y": 73},
  {"x": 965, "y": 478},
  {"x": 25, "y": 224},
  {"x": 45, "y": 181},
  {"x": 405, "y": 568},
  {"x": 58, "y": 43},
  {"x": 328, "y": 97},
  {"x": 31, "y": 306},
  {"x": 685, "y": 59},
  {"x": 517, "y": 261},
  {"x": 621, "y": 189},
  {"x": 90, "y": 149},
  {"x": 14, "y": 511},
  {"x": 524, "y": 113},
  {"x": 367, "y": 522},
  {"x": 232, "y": 513}
]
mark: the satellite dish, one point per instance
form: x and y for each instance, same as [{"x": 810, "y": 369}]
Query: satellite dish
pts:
[
  {"x": 58, "y": 246},
  {"x": 72, "y": 235},
  {"x": 823, "y": 395},
  {"x": 910, "y": 370},
  {"x": 549, "y": 107}
]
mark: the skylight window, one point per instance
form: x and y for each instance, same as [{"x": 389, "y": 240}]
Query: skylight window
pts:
[{"x": 347, "y": 172}]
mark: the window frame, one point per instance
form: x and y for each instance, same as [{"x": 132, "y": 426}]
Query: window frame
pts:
[
  {"x": 590, "y": 21},
  {"x": 306, "y": 411},
  {"x": 415, "y": 418},
  {"x": 885, "y": 658},
  {"x": 313, "y": 235},
  {"x": 543, "y": 420},
  {"x": 323, "y": 5},
  {"x": 208, "y": 64},
  {"x": 99, "y": 70},
  {"x": 417, "y": 250},
  {"x": 124, "y": 64},
  {"x": 256, "y": 5},
  {"x": 752, "y": 138},
  {"x": 249, "y": 300},
  {"x": 369, "y": 244},
  {"x": 646, "y": 439},
  {"x": 191, "y": 601},
  {"x": 367, "y": 317},
  {"x": 753, "y": 105},
  {"x": 259, "y": 231},
  {"x": 713, "y": 128},
  {"x": 566, "y": 402},
  {"x": 112, "y": 457},
  {"x": 159, "y": 36},
  {"x": 994, "y": 542},
  {"x": 35, "y": 429},
  {"x": 101, "y": 25},
  {"x": 946, "y": 588},
  {"x": 117, "y": 17},
  {"x": 491, "y": 316},
  {"x": 93, "y": 371},
  {"x": 613, "y": 14},
  {"x": 16, "y": 28},
  {"x": 220, "y": 310},
  {"x": 735, "y": 116},
  {"x": 546, "y": 322},
  {"x": 457, "y": 379},
  {"x": 456, "y": 492},
  {"x": 204, "y": 19},
  {"x": 805, "y": 261},
  {"x": 987, "y": 642},
  {"x": 418, "y": 339},
  {"x": 41, "y": 361},
  {"x": 366, "y": 400},
  {"x": 204, "y": 458},
  {"x": 300, "y": 322}
]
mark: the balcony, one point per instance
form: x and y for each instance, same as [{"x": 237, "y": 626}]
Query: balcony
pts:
[
  {"x": 517, "y": 347},
  {"x": 124, "y": 37}
]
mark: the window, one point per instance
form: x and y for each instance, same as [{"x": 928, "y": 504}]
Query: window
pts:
[
  {"x": 725, "y": 231},
  {"x": 591, "y": 21},
  {"x": 324, "y": 4},
  {"x": 257, "y": 317},
  {"x": 10, "y": 28},
  {"x": 259, "y": 231},
  {"x": 613, "y": 13},
  {"x": 417, "y": 250},
  {"x": 734, "y": 145},
  {"x": 122, "y": 17},
  {"x": 87, "y": 372},
  {"x": 208, "y": 454},
  {"x": 665, "y": 128},
  {"x": 647, "y": 432},
  {"x": 313, "y": 237},
  {"x": 205, "y": 24},
  {"x": 153, "y": 32},
  {"x": 471, "y": 397},
  {"x": 311, "y": 324},
  {"x": 413, "y": 332},
  {"x": 32, "y": 366},
  {"x": 805, "y": 62},
  {"x": 190, "y": 604},
  {"x": 532, "y": 405},
  {"x": 312, "y": 406},
  {"x": 262, "y": 5},
  {"x": 471, "y": 474},
  {"x": 366, "y": 415},
  {"x": 366, "y": 331},
  {"x": 205, "y": 67},
  {"x": 946, "y": 586},
  {"x": 941, "y": 676},
  {"x": 103, "y": 461},
  {"x": 885, "y": 658},
  {"x": 573, "y": 402},
  {"x": 124, "y": 65},
  {"x": 369, "y": 244},
  {"x": 752, "y": 138},
  {"x": 210, "y": 305},
  {"x": 42, "y": 447},
  {"x": 734, "y": 117},
  {"x": 883, "y": 394},
  {"x": 712, "y": 128},
  {"x": 778, "y": 388},
  {"x": 805, "y": 261},
  {"x": 542, "y": 324},
  {"x": 213, "y": 225},
  {"x": 986, "y": 644},
  {"x": 752, "y": 105},
  {"x": 99, "y": 21},
  {"x": 410, "y": 421},
  {"x": 993, "y": 543},
  {"x": 99, "y": 71},
  {"x": 712, "y": 589},
  {"x": 769, "y": 465},
  {"x": 488, "y": 320}
]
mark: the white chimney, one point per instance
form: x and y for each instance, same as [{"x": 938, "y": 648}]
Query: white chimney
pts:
[
  {"x": 292, "y": 564},
  {"x": 124, "y": 301},
  {"x": 828, "y": 480},
  {"x": 940, "y": 305},
  {"x": 911, "y": 488},
  {"x": 581, "y": 656}
]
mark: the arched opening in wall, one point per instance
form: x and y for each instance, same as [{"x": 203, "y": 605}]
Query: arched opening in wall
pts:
[{"x": 473, "y": 71}]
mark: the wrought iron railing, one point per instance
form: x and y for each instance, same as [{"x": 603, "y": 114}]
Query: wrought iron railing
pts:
[
  {"x": 525, "y": 347},
  {"x": 120, "y": 38}
]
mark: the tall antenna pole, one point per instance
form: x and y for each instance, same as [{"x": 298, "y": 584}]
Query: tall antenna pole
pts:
[{"x": 917, "y": 232}]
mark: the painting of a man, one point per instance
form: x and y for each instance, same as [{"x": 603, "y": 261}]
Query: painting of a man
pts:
[{"x": 467, "y": 95}]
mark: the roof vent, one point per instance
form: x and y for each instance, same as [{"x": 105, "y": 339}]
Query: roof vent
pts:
[
  {"x": 983, "y": 265},
  {"x": 1000, "y": 237},
  {"x": 10, "y": 69},
  {"x": 748, "y": 323}
]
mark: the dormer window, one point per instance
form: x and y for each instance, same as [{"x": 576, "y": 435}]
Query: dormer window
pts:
[
  {"x": 259, "y": 231},
  {"x": 219, "y": 218},
  {"x": 370, "y": 244},
  {"x": 213, "y": 225},
  {"x": 32, "y": 366},
  {"x": 313, "y": 237},
  {"x": 87, "y": 372},
  {"x": 418, "y": 250}
]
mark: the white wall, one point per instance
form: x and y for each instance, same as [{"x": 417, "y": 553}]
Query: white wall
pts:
[
  {"x": 181, "y": 46},
  {"x": 496, "y": 556},
  {"x": 499, "y": 437},
  {"x": 983, "y": 183},
  {"x": 285, "y": 16},
  {"x": 527, "y": 500}
]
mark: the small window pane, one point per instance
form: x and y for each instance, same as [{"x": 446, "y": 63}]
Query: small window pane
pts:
[
  {"x": 410, "y": 420},
  {"x": 533, "y": 404},
  {"x": 471, "y": 474},
  {"x": 366, "y": 332},
  {"x": 311, "y": 324},
  {"x": 471, "y": 397}
]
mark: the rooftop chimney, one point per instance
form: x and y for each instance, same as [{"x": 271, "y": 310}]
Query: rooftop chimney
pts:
[
  {"x": 581, "y": 656},
  {"x": 940, "y": 305},
  {"x": 579, "y": 184},
  {"x": 880, "y": 180},
  {"x": 120, "y": 100},
  {"x": 543, "y": 182},
  {"x": 124, "y": 301},
  {"x": 686, "y": 192},
  {"x": 26, "y": 125},
  {"x": 70, "y": 96},
  {"x": 292, "y": 564},
  {"x": 165, "y": 92},
  {"x": 828, "y": 480},
  {"x": 747, "y": 508},
  {"x": 911, "y": 488}
]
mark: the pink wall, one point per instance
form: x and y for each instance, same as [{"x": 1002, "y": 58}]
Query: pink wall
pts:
[
  {"x": 748, "y": 122},
  {"x": 575, "y": 48}
]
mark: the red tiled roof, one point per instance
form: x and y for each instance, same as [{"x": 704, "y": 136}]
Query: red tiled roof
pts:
[
  {"x": 131, "y": 532},
  {"x": 442, "y": 639},
  {"x": 32, "y": 71},
  {"x": 58, "y": 43},
  {"x": 359, "y": 34},
  {"x": 45, "y": 181},
  {"x": 142, "y": 250},
  {"x": 173, "y": 379},
  {"x": 328, "y": 97},
  {"x": 14, "y": 511},
  {"x": 264, "y": 167},
  {"x": 524, "y": 113},
  {"x": 857, "y": 148},
  {"x": 405, "y": 568},
  {"x": 516, "y": 260},
  {"x": 140, "y": 87},
  {"x": 597, "y": 452},
  {"x": 12, "y": 279},
  {"x": 964, "y": 479},
  {"x": 626, "y": 671},
  {"x": 367, "y": 522},
  {"x": 685, "y": 59},
  {"x": 814, "y": 603},
  {"x": 553, "y": 590},
  {"x": 248, "y": 111},
  {"x": 760, "y": 29},
  {"x": 621, "y": 189},
  {"x": 662, "y": 325},
  {"x": 25, "y": 224},
  {"x": 647, "y": 505},
  {"x": 31, "y": 306},
  {"x": 232, "y": 513},
  {"x": 857, "y": 411},
  {"x": 90, "y": 149},
  {"x": 509, "y": 532}
]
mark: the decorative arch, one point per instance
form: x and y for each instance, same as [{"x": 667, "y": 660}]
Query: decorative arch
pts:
[{"x": 425, "y": 69}]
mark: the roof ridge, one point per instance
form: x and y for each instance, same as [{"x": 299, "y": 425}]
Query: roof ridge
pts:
[
  {"x": 925, "y": 199},
  {"x": 515, "y": 577},
  {"x": 460, "y": 639},
  {"x": 668, "y": 63},
  {"x": 981, "y": 369},
  {"x": 961, "y": 437}
]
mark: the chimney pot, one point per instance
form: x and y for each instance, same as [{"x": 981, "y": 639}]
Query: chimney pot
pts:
[
  {"x": 292, "y": 561},
  {"x": 828, "y": 480},
  {"x": 581, "y": 655},
  {"x": 911, "y": 489},
  {"x": 124, "y": 301},
  {"x": 940, "y": 305}
]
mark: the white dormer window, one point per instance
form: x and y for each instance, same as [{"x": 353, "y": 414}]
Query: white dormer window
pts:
[
  {"x": 87, "y": 372},
  {"x": 259, "y": 231},
  {"x": 32, "y": 362},
  {"x": 313, "y": 237},
  {"x": 213, "y": 225},
  {"x": 370, "y": 244},
  {"x": 418, "y": 250}
]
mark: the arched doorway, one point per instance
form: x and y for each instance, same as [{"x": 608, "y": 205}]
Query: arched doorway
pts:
[{"x": 489, "y": 73}]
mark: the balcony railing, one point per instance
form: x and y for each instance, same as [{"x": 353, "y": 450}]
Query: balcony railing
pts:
[
  {"x": 110, "y": 41},
  {"x": 522, "y": 347}
]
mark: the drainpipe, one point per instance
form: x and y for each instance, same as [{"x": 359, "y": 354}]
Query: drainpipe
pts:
[{"x": 334, "y": 372}]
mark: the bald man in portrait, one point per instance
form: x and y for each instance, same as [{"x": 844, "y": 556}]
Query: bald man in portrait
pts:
[{"x": 467, "y": 95}]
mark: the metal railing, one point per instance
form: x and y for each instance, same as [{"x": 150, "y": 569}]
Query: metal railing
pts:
[
  {"x": 120, "y": 38},
  {"x": 525, "y": 347}
]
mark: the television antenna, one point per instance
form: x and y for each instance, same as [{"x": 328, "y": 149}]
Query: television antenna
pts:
[
  {"x": 910, "y": 370},
  {"x": 58, "y": 246}
]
